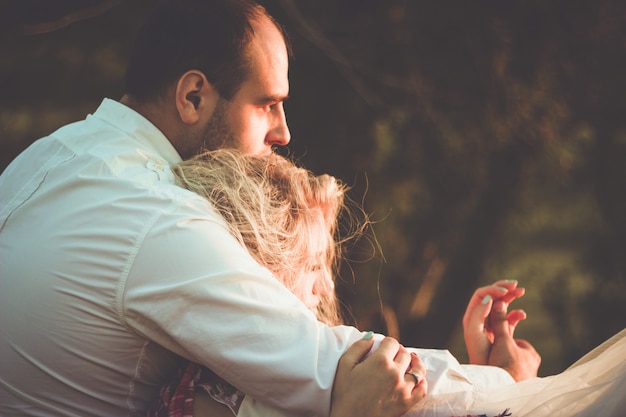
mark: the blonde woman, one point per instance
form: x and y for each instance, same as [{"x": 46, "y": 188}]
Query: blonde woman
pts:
[
  {"x": 284, "y": 215},
  {"x": 287, "y": 218}
]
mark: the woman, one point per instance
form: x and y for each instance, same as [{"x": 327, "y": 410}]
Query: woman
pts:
[{"x": 287, "y": 218}]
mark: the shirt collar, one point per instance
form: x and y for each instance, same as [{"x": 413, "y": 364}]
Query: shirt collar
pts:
[{"x": 138, "y": 127}]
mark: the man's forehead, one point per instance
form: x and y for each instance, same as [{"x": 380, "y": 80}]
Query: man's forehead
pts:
[{"x": 269, "y": 66}]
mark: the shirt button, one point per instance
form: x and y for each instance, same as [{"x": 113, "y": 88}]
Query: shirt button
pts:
[{"x": 158, "y": 166}]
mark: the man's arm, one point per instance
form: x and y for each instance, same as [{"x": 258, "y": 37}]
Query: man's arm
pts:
[
  {"x": 194, "y": 290},
  {"x": 377, "y": 386}
]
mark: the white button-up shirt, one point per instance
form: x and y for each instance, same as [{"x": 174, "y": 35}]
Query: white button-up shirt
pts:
[{"x": 109, "y": 273}]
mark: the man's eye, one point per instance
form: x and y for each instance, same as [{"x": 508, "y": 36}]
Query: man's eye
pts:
[{"x": 268, "y": 108}]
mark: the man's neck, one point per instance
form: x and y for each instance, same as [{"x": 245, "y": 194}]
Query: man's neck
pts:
[{"x": 154, "y": 111}]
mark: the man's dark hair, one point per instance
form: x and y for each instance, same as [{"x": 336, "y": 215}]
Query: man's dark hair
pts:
[{"x": 211, "y": 36}]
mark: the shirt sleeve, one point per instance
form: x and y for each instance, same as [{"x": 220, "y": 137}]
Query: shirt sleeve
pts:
[{"x": 193, "y": 289}]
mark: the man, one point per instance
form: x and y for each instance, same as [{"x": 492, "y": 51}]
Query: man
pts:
[{"x": 111, "y": 272}]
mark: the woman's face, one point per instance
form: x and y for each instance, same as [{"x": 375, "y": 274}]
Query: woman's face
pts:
[
  {"x": 318, "y": 274},
  {"x": 319, "y": 283}
]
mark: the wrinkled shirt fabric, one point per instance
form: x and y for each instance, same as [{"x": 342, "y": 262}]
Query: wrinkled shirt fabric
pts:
[{"x": 110, "y": 273}]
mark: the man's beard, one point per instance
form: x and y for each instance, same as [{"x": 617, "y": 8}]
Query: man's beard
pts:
[{"x": 217, "y": 134}]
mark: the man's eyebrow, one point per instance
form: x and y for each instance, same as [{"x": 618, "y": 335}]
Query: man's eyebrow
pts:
[{"x": 273, "y": 99}]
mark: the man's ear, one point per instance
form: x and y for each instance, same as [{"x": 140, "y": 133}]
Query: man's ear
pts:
[{"x": 195, "y": 97}]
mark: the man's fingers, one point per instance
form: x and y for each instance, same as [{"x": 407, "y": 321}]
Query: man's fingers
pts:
[
  {"x": 498, "y": 322},
  {"x": 524, "y": 344},
  {"x": 514, "y": 317}
]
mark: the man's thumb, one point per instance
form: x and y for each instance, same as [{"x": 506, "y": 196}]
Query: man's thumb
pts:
[{"x": 498, "y": 320}]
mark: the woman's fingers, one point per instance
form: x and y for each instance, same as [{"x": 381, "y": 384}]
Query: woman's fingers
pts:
[
  {"x": 476, "y": 328},
  {"x": 356, "y": 353},
  {"x": 377, "y": 385},
  {"x": 475, "y": 333},
  {"x": 505, "y": 290},
  {"x": 417, "y": 375},
  {"x": 416, "y": 370}
]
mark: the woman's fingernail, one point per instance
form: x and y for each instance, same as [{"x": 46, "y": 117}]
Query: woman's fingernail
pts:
[
  {"x": 368, "y": 335},
  {"x": 502, "y": 289},
  {"x": 511, "y": 281},
  {"x": 486, "y": 299}
]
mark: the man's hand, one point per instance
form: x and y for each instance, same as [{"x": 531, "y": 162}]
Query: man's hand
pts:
[
  {"x": 516, "y": 356},
  {"x": 379, "y": 385},
  {"x": 479, "y": 336}
]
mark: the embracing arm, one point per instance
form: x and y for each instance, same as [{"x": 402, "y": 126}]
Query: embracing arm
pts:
[
  {"x": 372, "y": 386},
  {"x": 198, "y": 293}
]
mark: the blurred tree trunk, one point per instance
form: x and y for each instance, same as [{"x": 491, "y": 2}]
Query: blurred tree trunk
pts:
[{"x": 464, "y": 269}]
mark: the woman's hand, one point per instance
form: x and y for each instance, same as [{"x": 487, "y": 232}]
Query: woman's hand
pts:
[
  {"x": 479, "y": 336},
  {"x": 379, "y": 385}
]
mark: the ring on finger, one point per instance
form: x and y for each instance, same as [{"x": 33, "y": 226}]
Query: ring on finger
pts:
[{"x": 415, "y": 375}]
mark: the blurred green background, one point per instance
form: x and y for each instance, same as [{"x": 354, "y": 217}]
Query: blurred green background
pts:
[{"x": 486, "y": 139}]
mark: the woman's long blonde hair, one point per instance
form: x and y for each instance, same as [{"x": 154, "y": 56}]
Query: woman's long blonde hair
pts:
[{"x": 283, "y": 214}]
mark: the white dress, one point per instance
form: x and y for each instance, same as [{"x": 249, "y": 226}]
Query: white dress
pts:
[{"x": 595, "y": 386}]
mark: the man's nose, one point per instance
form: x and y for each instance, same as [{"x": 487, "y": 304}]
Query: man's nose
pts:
[{"x": 279, "y": 134}]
